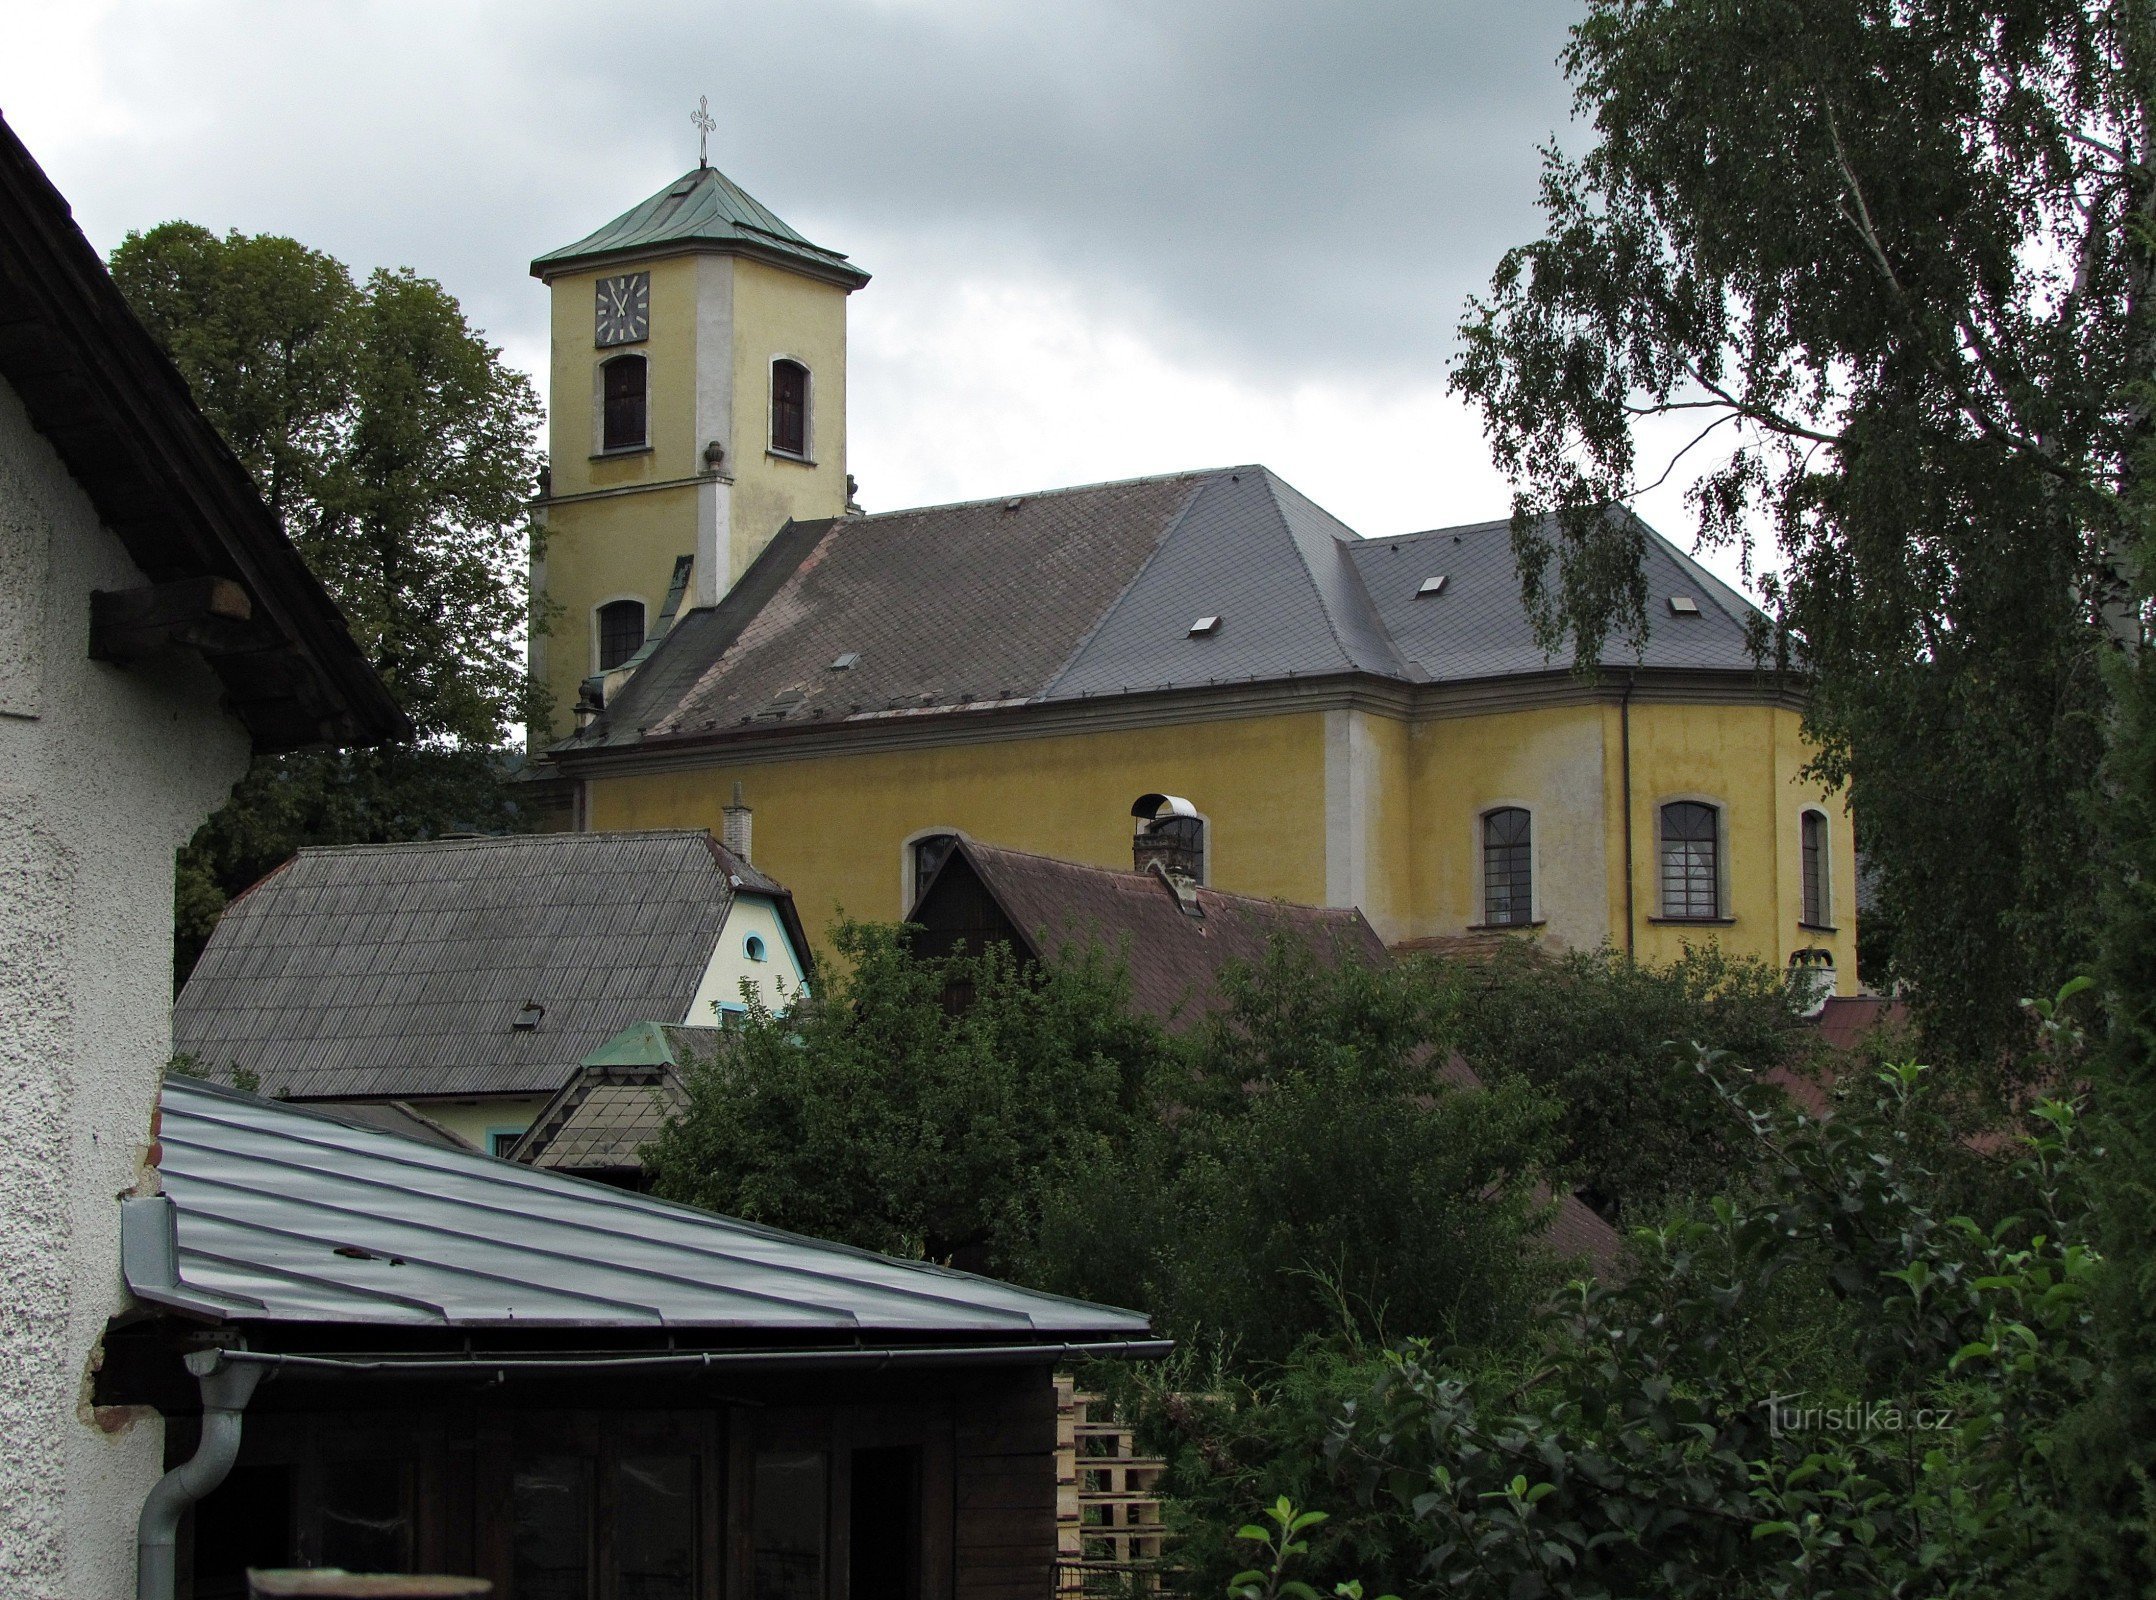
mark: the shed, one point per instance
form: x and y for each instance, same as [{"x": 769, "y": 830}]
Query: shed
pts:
[{"x": 467, "y": 1365}]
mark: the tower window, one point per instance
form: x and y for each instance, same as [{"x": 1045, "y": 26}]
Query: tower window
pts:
[
  {"x": 624, "y": 395},
  {"x": 1691, "y": 861},
  {"x": 789, "y": 408},
  {"x": 1813, "y": 844},
  {"x": 621, "y": 632},
  {"x": 1508, "y": 866}
]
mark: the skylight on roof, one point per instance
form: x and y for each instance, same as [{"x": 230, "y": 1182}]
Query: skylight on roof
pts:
[
  {"x": 1683, "y": 605},
  {"x": 1431, "y": 586},
  {"x": 846, "y": 662},
  {"x": 1204, "y": 626}
]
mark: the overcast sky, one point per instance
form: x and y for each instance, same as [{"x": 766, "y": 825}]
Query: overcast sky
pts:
[{"x": 1108, "y": 238}]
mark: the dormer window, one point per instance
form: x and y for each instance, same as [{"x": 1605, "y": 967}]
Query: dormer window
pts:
[
  {"x": 623, "y": 389},
  {"x": 789, "y": 408}
]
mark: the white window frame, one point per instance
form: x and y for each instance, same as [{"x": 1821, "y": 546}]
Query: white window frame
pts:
[
  {"x": 1722, "y": 910},
  {"x": 1480, "y": 887}
]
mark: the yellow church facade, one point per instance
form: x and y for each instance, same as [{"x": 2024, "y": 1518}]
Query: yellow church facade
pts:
[{"x": 1343, "y": 721}]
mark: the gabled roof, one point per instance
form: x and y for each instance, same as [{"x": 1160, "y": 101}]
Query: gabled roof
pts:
[
  {"x": 702, "y": 210},
  {"x": 1176, "y": 959},
  {"x": 168, "y": 486},
  {"x": 273, "y": 1214},
  {"x": 405, "y": 970},
  {"x": 1087, "y": 594}
]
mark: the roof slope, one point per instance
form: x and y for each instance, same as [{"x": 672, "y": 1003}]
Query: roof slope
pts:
[
  {"x": 168, "y": 486},
  {"x": 1177, "y": 960},
  {"x": 402, "y": 970},
  {"x": 703, "y": 210},
  {"x": 273, "y": 1214},
  {"x": 1080, "y": 594}
]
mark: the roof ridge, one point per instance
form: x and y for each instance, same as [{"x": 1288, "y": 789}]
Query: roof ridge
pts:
[
  {"x": 1455, "y": 529},
  {"x": 1398, "y": 664},
  {"x": 446, "y": 840},
  {"x": 1161, "y": 542},
  {"x": 1043, "y": 494},
  {"x": 1142, "y": 878}
]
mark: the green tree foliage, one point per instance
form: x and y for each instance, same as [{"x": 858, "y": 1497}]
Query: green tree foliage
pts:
[
  {"x": 1598, "y": 1034},
  {"x": 1827, "y": 1387},
  {"x": 874, "y": 1113},
  {"x": 397, "y": 450},
  {"x": 1305, "y": 1162},
  {"x": 1887, "y": 261}
]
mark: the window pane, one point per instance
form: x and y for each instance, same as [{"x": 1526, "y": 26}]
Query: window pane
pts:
[
  {"x": 1507, "y": 867},
  {"x": 789, "y": 407},
  {"x": 621, "y": 632},
  {"x": 1815, "y": 868},
  {"x": 1690, "y": 879},
  {"x": 551, "y": 1507},
  {"x": 655, "y": 1528},
  {"x": 366, "y": 1515},
  {"x": 791, "y": 1493},
  {"x": 624, "y": 422}
]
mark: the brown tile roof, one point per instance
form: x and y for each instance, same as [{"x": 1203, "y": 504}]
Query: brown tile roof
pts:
[{"x": 1176, "y": 959}]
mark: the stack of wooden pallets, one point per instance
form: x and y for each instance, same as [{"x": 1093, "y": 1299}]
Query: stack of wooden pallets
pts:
[{"x": 1109, "y": 1537}]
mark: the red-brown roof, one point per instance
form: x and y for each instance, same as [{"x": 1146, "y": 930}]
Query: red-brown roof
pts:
[{"x": 1177, "y": 958}]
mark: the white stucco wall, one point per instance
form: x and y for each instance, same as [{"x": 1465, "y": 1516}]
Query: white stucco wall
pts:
[
  {"x": 776, "y": 979},
  {"x": 103, "y": 774}
]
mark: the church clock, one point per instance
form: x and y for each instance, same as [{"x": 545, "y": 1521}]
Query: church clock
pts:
[{"x": 624, "y": 309}]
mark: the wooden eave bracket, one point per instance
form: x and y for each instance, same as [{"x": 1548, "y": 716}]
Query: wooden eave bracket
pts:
[{"x": 210, "y": 615}]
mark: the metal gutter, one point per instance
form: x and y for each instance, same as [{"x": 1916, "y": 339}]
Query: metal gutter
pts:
[{"x": 480, "y": 1365}]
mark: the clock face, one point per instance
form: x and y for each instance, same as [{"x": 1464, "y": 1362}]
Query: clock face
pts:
[{"x": 624, "y": 309}]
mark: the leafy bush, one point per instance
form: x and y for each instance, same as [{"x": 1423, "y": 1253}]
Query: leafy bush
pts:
[{"x": 1595, "y": 1031}]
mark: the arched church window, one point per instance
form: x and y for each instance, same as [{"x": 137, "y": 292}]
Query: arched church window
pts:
[
  {"x": 624, "y": 392},
  {"x": 1691, "y": 861},
  {"x": 789, "y": 407},
  {"x": 621, "y": 632},
  {"x": 1812, "y": 841},
  {"x": 1508, "y": 866}
]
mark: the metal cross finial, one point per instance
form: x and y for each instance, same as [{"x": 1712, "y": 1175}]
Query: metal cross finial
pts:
[{"x": 705, "y": 122}]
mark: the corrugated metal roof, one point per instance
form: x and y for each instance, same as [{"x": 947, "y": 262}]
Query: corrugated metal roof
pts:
[
  {"x": 704, "y": 209},
  {"x": 1092, "y": 592},
  {"x": 278, "y": 1214},
  {"x": 392, "y": 971}
]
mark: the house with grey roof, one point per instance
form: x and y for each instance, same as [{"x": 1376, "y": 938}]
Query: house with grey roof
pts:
[
  {"x": 469, "y": 978},
  {"x": 415, "y": 1358}
]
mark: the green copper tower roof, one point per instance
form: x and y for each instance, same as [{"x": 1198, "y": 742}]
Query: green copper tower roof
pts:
[{"x": 705, "y": 210}]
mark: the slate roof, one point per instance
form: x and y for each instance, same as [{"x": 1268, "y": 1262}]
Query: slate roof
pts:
[
  {"x": 1176, "y": 959},
  {"x": 703, "y": 210},
  {"x": 275, "y": 1214},
  {"x": 401, "y": 970},
  {"x": 1086, "y": 593},
  {"x": 121, "y": 417}
]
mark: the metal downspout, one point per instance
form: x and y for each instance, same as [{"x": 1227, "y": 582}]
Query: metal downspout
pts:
[
  {"x": 1624, "y": 717},
  {"x": 226, "y": 1387}
]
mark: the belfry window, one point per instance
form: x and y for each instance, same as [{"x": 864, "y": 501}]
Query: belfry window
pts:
[
  {"x": 1691, "y": 861},
  {"x": 621, "y": 632},
  {"x": 1812, "y": 843},
  {"x": 1508, "y": 873},
  {"x": 789, "y": 408},
  {"x": 623, "y": 397}
]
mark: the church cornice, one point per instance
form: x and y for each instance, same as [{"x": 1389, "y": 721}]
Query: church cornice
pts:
[{"x": 995, "y": 722}]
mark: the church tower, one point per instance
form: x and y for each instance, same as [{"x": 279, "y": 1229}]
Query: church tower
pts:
[{"x": 698, "y": 402}]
